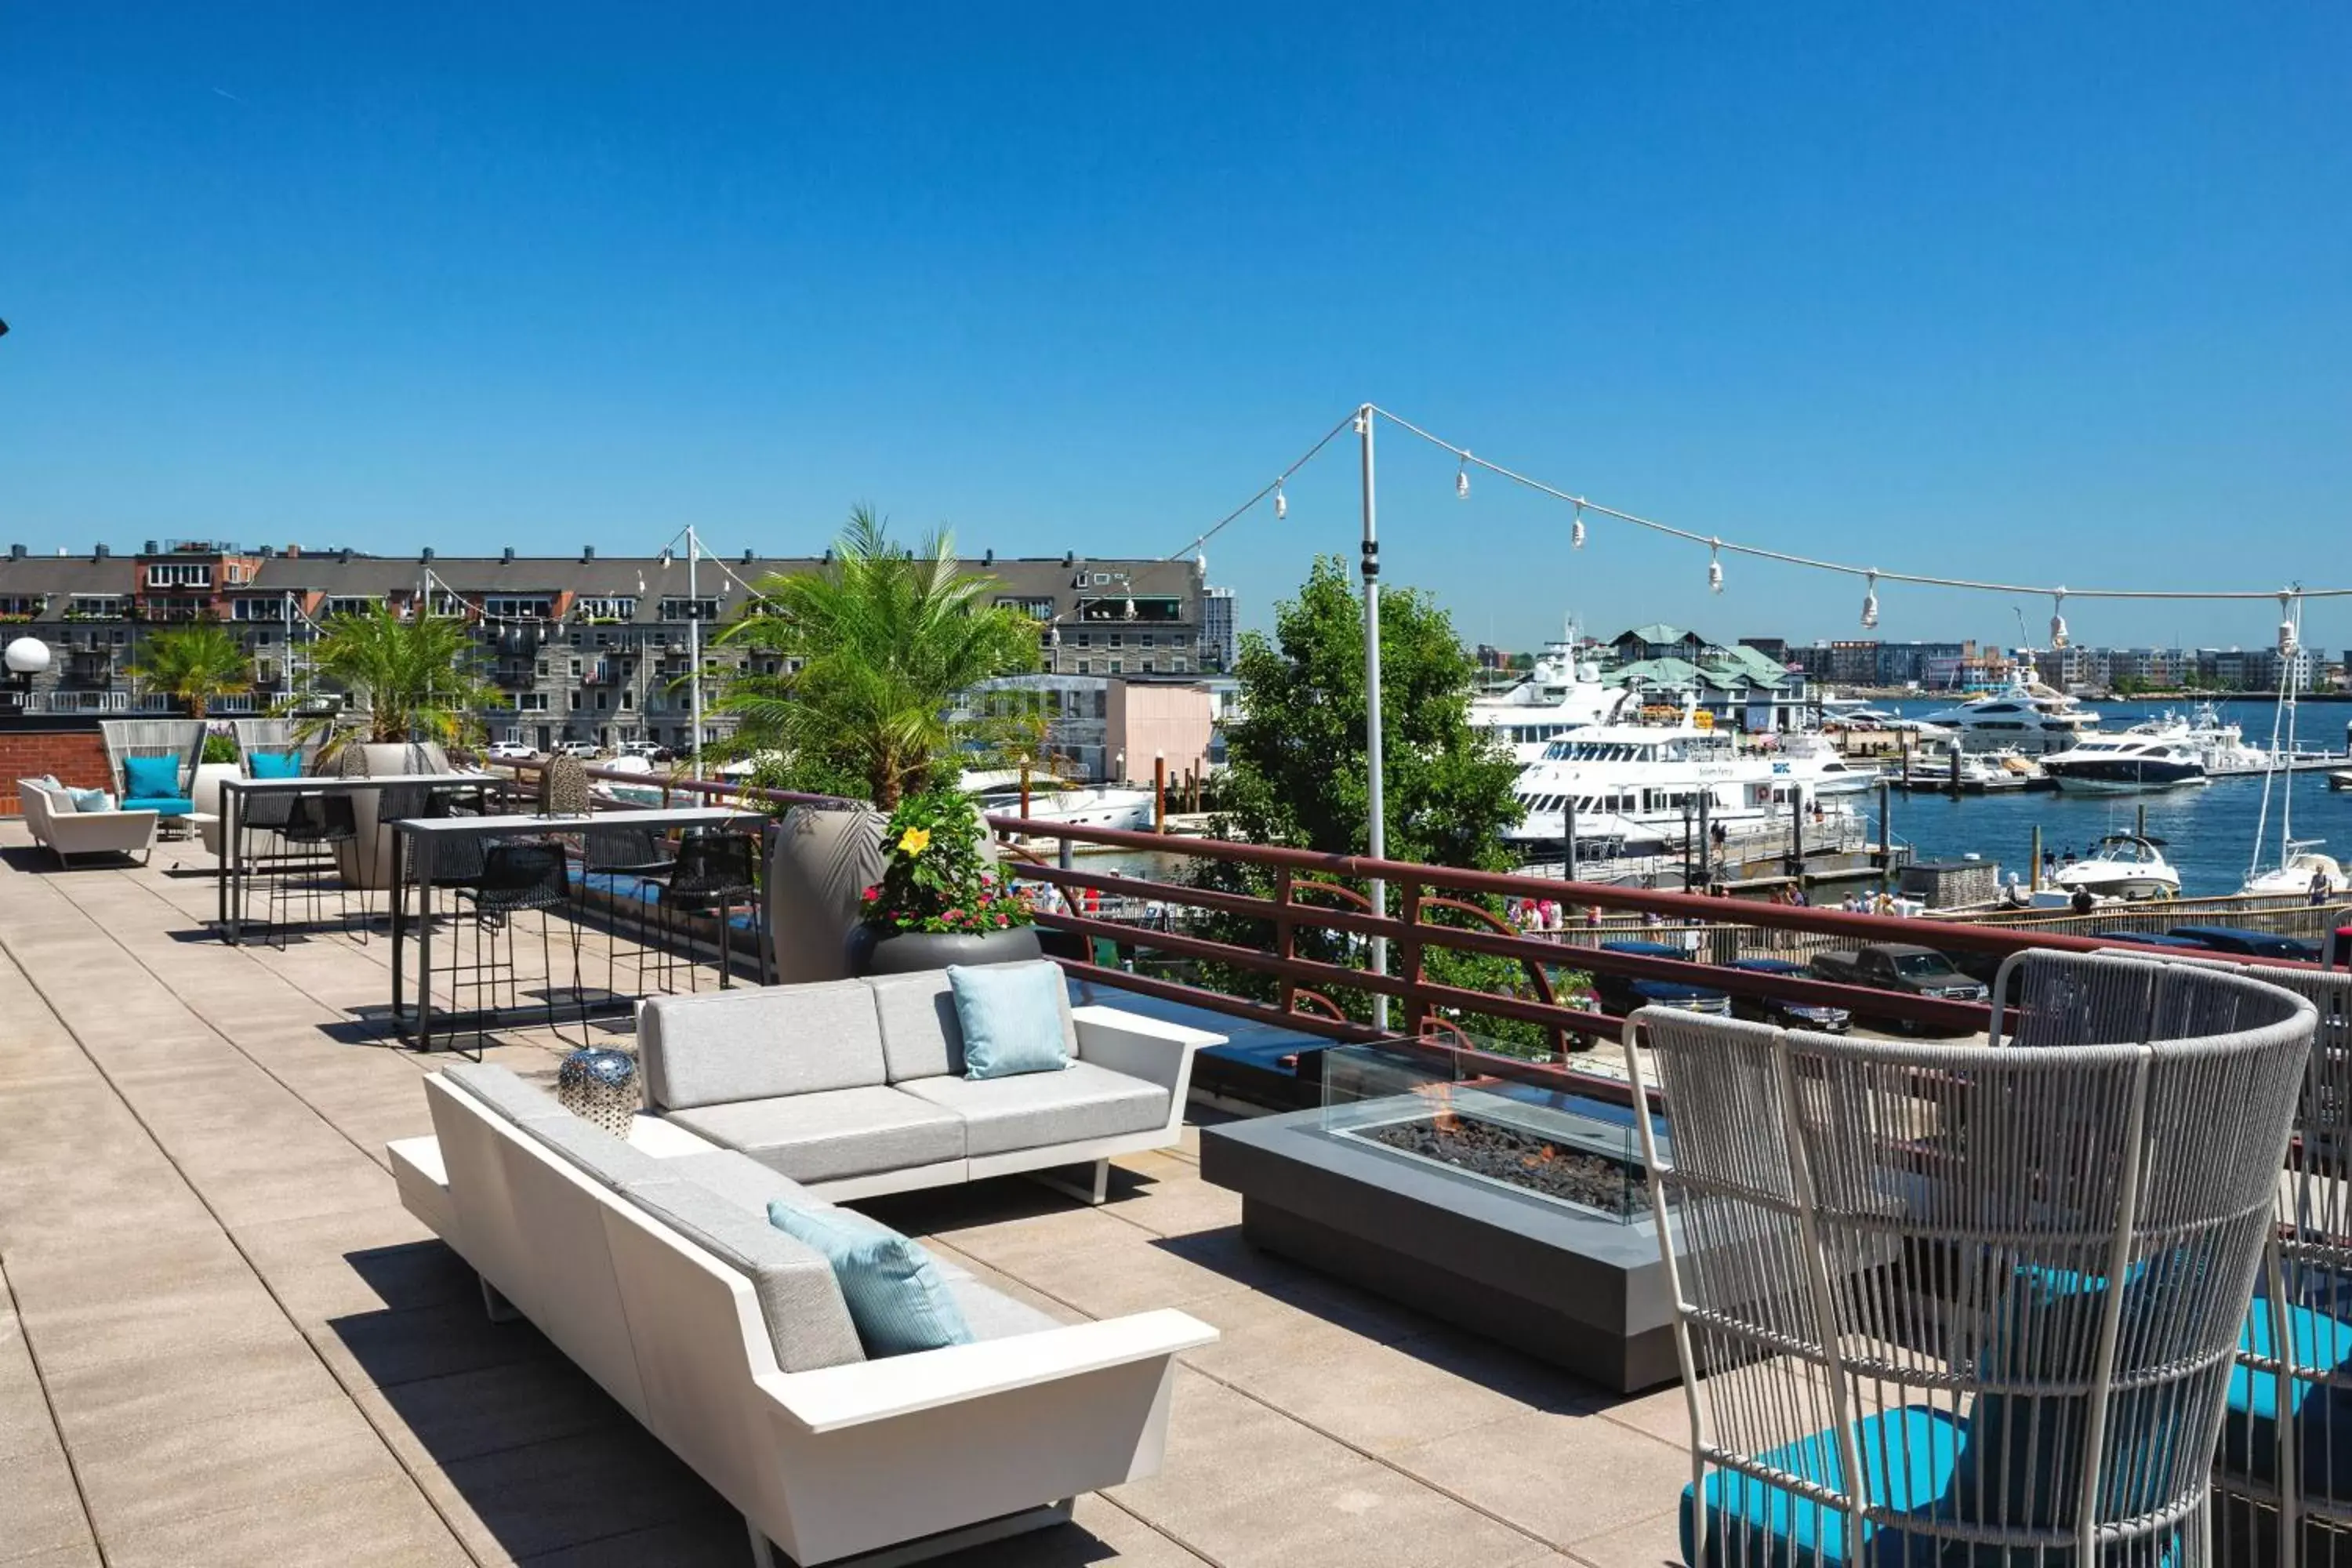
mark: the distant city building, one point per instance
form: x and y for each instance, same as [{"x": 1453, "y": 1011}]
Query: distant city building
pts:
[{"x": 580, "y": 647}]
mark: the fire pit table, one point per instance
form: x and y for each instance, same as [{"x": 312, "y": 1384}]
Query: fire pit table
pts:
[{"x": 1495, "y": 1202}]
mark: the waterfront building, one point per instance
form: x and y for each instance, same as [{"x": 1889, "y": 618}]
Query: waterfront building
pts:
[
  {"x": 584, "y": 647},
  {"x": 1740, "y": 686}
]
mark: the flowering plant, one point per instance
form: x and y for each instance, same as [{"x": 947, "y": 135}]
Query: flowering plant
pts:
[{"x": 934, "y": 877}]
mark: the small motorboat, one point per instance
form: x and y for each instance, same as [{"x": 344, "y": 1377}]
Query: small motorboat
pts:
[
  {"x": 2302, "y": 867},
  {"x": 2341, "y": 779},
  {"x": 2123, "y": 865}
]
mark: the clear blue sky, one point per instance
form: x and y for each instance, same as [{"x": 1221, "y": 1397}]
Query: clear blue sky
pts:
[{"x": 2057, "y": 292}]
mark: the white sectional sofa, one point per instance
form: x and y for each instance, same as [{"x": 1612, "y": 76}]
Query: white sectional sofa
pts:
[
  {"x": 854, "y": 1087},
  {"x": 729, "y": 1338},
  {"x": 65, "y": 831}
]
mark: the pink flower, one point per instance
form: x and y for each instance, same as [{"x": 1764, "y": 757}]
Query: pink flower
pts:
[
  {"x": 999, "y": 919},
  {"x": 873, "y": 893}
]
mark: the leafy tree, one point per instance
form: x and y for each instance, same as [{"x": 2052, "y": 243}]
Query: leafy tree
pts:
[
  {"x": 874, "y": 647},
  {"x": 1298, "y": 778},
  {"x": 418, "y": 676},
  {"x": 195, "y": 664}
]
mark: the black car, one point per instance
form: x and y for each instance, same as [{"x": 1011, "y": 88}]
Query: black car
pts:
[
  {"x": 1621, "y": 993},
  {"x": 2151, "y": 939},
  {"x": 1784, "y": 1014},
  {"x": 2249, "y": 944}
]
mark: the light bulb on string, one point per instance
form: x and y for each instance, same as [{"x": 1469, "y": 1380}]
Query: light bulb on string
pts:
[
  {"x": 1576, "y": 528},
  {"x": 1281, "y": 504},
  {"x": 2058, "y": 619},
  {"x": 1461, "y": 480},
  {"x": 1870, "y": 603},
  {"x": 2286, "y": 634},
  {"x": 1714, "y": 566}
]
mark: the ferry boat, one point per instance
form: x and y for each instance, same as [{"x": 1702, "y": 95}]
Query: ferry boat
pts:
[
  {"x": 1632, "y": 784},
  {"x": 2026, "y": 715},
  {"x": 2150, "y": 756},
  {"x": 1556, "y": 697},
  {"x": 2124, "y": 866}
]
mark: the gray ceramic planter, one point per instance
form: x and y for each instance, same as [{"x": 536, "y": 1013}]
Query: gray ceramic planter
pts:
[{"x": 903, "y": 952}]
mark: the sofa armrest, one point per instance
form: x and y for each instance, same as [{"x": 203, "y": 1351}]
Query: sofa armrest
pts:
[
  {"x": 842, "y": 1397},
  {"x": 95, "y": 830},
  {"x": 1151, "y": 1049}
]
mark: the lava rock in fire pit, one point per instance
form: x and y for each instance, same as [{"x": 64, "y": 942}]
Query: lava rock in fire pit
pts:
[{"x": 1519, "y": 1159}]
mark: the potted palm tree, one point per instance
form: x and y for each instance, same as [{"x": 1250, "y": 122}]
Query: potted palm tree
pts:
[
  {"x": 195, "y": 665},
  {"x": 869, "y": 652},
  {"x": 416, "y": 684}
]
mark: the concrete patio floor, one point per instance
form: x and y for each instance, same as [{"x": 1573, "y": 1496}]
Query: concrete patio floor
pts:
[{"x": 223, "y": 1340}]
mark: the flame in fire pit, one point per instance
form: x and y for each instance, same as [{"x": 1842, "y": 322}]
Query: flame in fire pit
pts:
[{"x": 1443, "y": 1117}]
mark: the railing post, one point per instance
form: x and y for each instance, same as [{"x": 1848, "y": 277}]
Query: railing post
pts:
[
  {"x": 1416, "y": 1007},
  {"x": 1285, "y": 945}
]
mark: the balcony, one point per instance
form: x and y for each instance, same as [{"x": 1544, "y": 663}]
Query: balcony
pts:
[{"x": 512, "y": 676}]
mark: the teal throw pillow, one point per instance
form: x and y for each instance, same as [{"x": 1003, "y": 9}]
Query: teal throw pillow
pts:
[
  {"x": 895, "y": 1294},
  {"x": 1012, "y": 1018},
  {"x": 90, "y": 799},
  {"x": 274, "y": 764},
  {"x": 149, "y": 778}
]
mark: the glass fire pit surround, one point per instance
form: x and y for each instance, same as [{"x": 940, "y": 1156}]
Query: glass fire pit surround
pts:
[{"x": 1435, "y": 1110}]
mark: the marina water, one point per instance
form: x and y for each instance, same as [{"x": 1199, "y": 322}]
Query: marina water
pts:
[{"x": 2208, "y": 829}]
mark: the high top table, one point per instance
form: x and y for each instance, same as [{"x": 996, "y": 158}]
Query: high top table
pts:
[
  {"x": 235, "y": 869},
  {"x": 415, "y": 840}
]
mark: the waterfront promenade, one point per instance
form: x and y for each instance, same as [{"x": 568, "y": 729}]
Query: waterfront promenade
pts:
[{"x": 221, "y": 1340}]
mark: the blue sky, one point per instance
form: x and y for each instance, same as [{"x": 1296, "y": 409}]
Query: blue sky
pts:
[{"x": 2045, "y": 292}]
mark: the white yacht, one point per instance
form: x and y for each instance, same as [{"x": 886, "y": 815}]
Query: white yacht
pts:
[
  {"x": 2124, "y": 866},
  {"x": 2160, "y": 754},
  {"x": 1068, "y": 805},
  {"x": 2027, "y": 715},
  {"x": 2302, "y": 866},
  {"x": 1556, "y": 697},
  {"x": 1632, "y": 784}
]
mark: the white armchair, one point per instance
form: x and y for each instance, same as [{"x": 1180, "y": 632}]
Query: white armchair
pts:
[{"x": 57, "y": 826}]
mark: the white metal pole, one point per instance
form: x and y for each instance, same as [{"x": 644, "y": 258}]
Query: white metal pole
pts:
[
  {"x": 1376, "y": 834},
  {"x": 694, "y": 641}
]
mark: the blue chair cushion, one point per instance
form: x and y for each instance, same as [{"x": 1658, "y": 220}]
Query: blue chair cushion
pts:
[
  {"x": 2323, "y": 1413},
  {"x": 274, "y": 764},
  {"x": 151, "y": 778},
  {"x": 160, "y": 805},
  {"x": 1011, "y": 1015},
  {"x": 895, "y": 1294},
  {"x": 89, "y": 799},
  {"x": 1754, "y": 1523}
]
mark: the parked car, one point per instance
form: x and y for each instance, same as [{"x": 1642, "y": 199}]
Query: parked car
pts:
[
  {"x": 585, "y": 750},
  {"x": 1785, "y": 1013},
  {"x": 645, "y": 749},
  {"x": 2151, "y": 939},
  {"x": 509, "y": 752},
  {"x": 1901, "y": 967},
  {"x": 2249, "y": 944},
  {"x": 1621, "y": 993}
]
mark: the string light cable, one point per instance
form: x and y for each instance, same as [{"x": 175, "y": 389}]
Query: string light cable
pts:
[{"x": 1281, "y": 505}]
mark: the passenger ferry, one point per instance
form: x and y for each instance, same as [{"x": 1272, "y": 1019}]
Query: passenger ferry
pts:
[
  {"x": 1632, "y": 784},
  {"x": 1555, "y": 697}
]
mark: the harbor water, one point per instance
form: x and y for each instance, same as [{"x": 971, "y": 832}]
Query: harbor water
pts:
[{"x": 2208, "y": 829}]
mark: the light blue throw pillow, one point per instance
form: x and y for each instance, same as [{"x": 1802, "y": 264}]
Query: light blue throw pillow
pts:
[
  {"x": 895, "y": 1295},
  {"x": 90, "y": 799},
  {"x": 274, "y": 764},
  {"x": 1012, "y": 1018},
  {"x": 147, "y": 778}
]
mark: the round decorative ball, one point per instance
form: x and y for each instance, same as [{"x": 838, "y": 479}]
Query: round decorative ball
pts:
[
  {"x": 25, "y": 655},
  {"x": 600, "y": 1087}
]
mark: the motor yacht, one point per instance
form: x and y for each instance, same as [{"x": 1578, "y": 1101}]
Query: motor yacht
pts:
[
  {"x": 2124, "y": 866},
  {"x": 2302, "y": 866},
  {"x": 2027, "y": 715},
  {"x": 1642, "y": 784},
  {"x": 2150, "y": 756},
  {"x": 1557, "y": 696}
]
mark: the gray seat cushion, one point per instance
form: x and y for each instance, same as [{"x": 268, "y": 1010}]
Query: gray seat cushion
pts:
[
  {"x": 808, "y": 1322},
  {"x": 741, "y": 1180},
  {"x": 836, "y": 1133},
  {"x": 920, "y": 1036},
  {"x": 991, "y": 1314},
  {"x": 1034, "y": 1110},
  {"x": 589, "y": 1149},
  {"x": 513, "y": 1097},
  {"x": 758, "y": 1042}
]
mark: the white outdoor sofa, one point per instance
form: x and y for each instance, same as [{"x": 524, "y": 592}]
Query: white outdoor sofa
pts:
[
  {"x": 855, "y": 1088},
  {"x": 651, "y": 1263},
  {"x": 59, "y": 826}
]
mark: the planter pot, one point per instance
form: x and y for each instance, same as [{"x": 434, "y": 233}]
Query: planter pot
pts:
[
  {"x": 822, "y": 860},
  {"x": 366, "y": 862},
  {"x": 903, "y": 952},
  {"x": 206, "y": 792}
]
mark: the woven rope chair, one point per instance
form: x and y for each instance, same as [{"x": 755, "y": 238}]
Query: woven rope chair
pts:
[
  {"x": 181, "y": 738},
  {"x": 274, "y": 735},
  {"x": 1959, "y": 1304}
]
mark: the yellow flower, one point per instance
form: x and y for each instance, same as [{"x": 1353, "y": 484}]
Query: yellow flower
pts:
[{"x": 914, "y": 841}]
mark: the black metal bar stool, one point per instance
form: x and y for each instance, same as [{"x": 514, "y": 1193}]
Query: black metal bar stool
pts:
[
  {"x": 515, "y": 876},
  {"x": 316, "y": 823},
  {"x": 639, "y": 854},
  {"x": 715, "y": 871}
]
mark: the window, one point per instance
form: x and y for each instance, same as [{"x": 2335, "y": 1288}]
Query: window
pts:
[
  {"x": 1145, "y": 667},
  {"x": 1086, "y": 667},
  {"x": 518, "y": 606},
  {"x": 261, "y": 639},
  {"x": 604, "y": 700},
  {"x": 1035, "y": 609},
  {"x": 448, "y": 604},
  {"x": 272, "y": 609},
  {"x": 607, "y": 608},
  {"x": 1118, "y": 665},
  {"x": 530, "y": 701},
  {"x": 685, "y": 609},
  {"x": 26, "y": 605},
  {"x": 351, "y": 605},
  {"x": 1085, "y": 639},
  {"x": 1118, "y": 639},
  {"x": 603, "y": 639},
  {"x": 180, "y": 574},
  {"x": 575, "y": 670},
  {"x": 94, "y": 607},
  {"x": 576, "y": 702},
  {"x": 628, "y": 700}
]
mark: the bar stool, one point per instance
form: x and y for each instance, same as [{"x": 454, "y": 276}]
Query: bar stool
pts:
[
  {"x": 638, "y": 854},
  {"x": 515, "y": 876},
  {"x": 316, "y": 823},
  {"x": 715, "y": 870}
]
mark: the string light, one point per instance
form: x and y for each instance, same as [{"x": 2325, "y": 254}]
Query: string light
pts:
[
  {"x": 1281, "y": 503},
  {"x": 1870, "y": 603},
  {"x": 1714, "y": 566},
  {"x": 2058, "y": 620},
  {"x": 2286, "y": 637},
  {"x": 1461, "y": 480},
  {"x": 1576, "y": 528}
]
